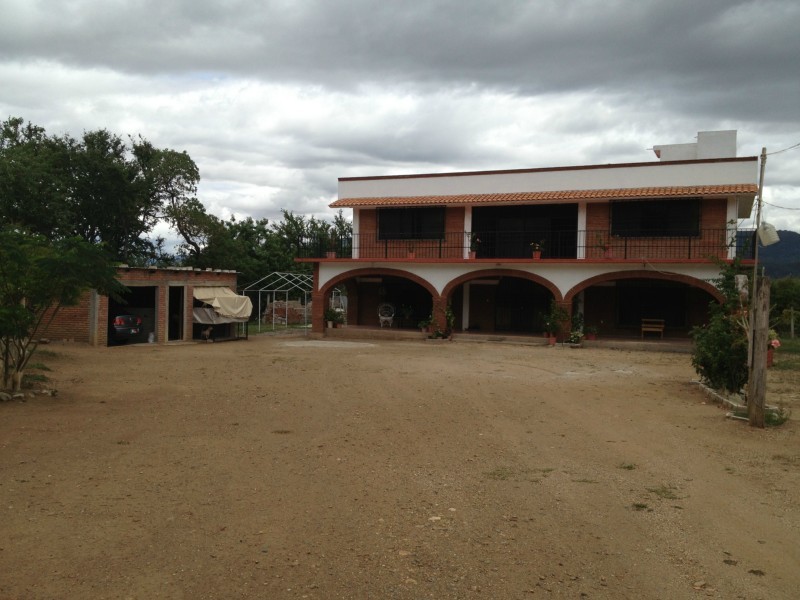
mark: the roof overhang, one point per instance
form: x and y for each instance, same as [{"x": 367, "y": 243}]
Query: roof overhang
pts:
[{"x": 745, "y": 193}]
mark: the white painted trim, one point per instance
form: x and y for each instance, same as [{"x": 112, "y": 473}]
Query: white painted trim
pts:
[{"x": 596, "y": 178}]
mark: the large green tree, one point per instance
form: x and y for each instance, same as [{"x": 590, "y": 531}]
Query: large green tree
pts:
[
  {"x": 98, "y": 188},
  {"x": 35, "y": 182},
  {"x": 105, "y": 190},
  {"x": 785, "y": 300},
  {"x": 37, "y": 278}
]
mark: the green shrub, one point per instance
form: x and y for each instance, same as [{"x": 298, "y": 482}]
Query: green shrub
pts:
[
  {"x": 720, "y": 347},
  {"x": 720, "y": 353}
]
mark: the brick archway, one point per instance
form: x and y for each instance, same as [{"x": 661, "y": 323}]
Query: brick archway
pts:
[
  {"x": 644, "y": 274},
  {"x": 452, "y": 286},
  {"x": 319, "y": 296},
  {"x": 466, "y": 277}
]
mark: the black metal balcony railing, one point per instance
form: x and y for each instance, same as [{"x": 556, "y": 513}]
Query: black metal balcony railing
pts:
[{"x": 586, "y": 244}]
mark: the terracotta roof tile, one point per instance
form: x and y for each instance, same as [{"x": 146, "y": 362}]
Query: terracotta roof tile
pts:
[{"x": 555, "y": 196}]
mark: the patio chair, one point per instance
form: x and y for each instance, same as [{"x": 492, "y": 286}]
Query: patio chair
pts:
[{"x": 386, "y": 314}]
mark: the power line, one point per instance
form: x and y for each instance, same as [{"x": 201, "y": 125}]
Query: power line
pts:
[
  {"x": 797, "y": 145},
  {"x": 781, "y": 207}
]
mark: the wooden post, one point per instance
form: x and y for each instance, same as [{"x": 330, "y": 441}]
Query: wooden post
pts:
[{"x": 757, "y": 380}]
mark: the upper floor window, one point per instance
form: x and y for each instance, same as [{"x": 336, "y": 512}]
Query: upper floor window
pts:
[
  {"x": 411, "y": 223},
  {"x": 656, "y": 218}
]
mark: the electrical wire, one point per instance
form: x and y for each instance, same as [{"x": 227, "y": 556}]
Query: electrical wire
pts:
[
  {"x": 781, "y": 207},
  {"x": 797, "y": 145}
]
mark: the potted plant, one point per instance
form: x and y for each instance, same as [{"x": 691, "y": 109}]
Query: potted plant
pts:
[
  {"x": 406, "y": 312},
  {"x": 536, "y": 249},
  {"x": 575, "y": 339},
  {"x": 554, "y": 321},
  {"x": 424, "y": 324},
  {"x": 604, "y": 248},
  {"x": 332, "y": 316},
  {"x": 773, "y": 343},
  {"x": 411, "y": 251},
  {"x": 474, "y": 242},
  {"x": 331, "y": 253},
  {"x": 591, "y": 332},
  {"x": 450, "y": 317}
]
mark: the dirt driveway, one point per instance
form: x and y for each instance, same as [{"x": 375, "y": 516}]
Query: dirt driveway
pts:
[{"x": 283, "y": 467}]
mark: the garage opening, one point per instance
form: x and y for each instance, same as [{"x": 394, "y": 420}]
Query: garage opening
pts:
[
  {"x": 132, "y": 321},
  {"x": 175, "y": 320}
]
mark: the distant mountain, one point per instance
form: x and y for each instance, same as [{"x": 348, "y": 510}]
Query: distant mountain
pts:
[{"x": 781, "y": 259}]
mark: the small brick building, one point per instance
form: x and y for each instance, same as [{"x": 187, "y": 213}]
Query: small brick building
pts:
[{"x": 163, "y": 298}]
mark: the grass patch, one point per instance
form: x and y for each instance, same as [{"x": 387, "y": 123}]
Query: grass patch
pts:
[
  {"x": 584, "y": 481},
  {"x": 639, "y": 506},
  {"x": 39, "y": 367},
  {"x": 665, "y": 492},
  {"x": 628, "y": 466},
  {"x": 772, "y": 418},
  {"x": 28, "y": 379},
  {"x": 787, "y": 357},
  {"x": 501, "y": 473},
  {"x": 786, "y": 459}
]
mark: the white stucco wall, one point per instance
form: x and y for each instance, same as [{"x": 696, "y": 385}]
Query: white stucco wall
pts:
[{"x": 606, "y": 177}]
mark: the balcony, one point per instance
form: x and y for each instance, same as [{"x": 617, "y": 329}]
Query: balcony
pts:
[{"x": 561, "y": 245}]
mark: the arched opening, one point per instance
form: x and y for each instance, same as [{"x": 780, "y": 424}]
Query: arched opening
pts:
[
  {"x": 367, "y": 290},
  {"x": 617, "y": 306},
  {"x": 500, "y": 302}
]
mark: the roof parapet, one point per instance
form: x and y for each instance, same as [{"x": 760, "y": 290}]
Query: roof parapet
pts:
[{"x": 709, "y": 144}]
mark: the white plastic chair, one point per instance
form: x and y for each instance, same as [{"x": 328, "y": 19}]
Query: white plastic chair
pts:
[{"x": 386, "y": 314}]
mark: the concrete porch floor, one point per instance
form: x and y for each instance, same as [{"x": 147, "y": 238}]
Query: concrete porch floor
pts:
[{"x": 632, "y": 343}]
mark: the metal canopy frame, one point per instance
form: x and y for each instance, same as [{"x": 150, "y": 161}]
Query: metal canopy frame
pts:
[{"x": 282, "y": 283}]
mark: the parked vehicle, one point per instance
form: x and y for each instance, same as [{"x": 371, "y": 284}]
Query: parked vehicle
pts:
[{"x": 123, "y": 328}]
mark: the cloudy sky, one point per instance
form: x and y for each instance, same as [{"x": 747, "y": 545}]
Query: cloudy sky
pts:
[{"x": 276, "y": 99}]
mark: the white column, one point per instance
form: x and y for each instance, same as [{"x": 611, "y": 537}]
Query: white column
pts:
[
  {"x": 356, "y": 236},
  {"x": 467, "y": 230},
  {"x": 582, "y": 230}
]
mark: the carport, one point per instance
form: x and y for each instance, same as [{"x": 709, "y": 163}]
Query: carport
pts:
[{"x": 223, "y": 310}]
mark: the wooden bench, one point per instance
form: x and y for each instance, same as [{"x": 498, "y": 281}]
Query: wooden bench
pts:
[{"x": 653, "y": 326}]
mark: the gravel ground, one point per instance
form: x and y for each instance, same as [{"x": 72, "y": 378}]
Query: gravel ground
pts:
[{"x": 284, "y": 467}]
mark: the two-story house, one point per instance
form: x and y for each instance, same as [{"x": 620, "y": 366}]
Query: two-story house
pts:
[{"x": 617, "y": 243}]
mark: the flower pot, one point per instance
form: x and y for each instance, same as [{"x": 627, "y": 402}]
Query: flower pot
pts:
[
  {"x": 537, "y": 254},
  {"x": 330, "y": 255},
  {"x": 473, "y": 254},
  {"x": 412, "y": 255},
  {"x": 330, "y": 324},
  {"x": 591, "y": 336},
  {"x": 551, "y": 340},
  {"x": 770, "y": 356}
]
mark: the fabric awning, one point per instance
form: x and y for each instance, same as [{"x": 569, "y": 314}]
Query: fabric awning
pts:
[{"x": 225, "y": 302}]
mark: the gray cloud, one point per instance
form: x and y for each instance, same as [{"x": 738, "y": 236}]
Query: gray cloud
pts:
[{"x": 275, "y": 100}]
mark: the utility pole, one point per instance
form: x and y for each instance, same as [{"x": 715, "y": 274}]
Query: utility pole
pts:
[{"x": 759, "y": 326}]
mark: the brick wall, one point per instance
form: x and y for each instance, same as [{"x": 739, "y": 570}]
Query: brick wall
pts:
[
  {"x": 88, "y": 321},
  {"x": 451, "y": 247}
]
